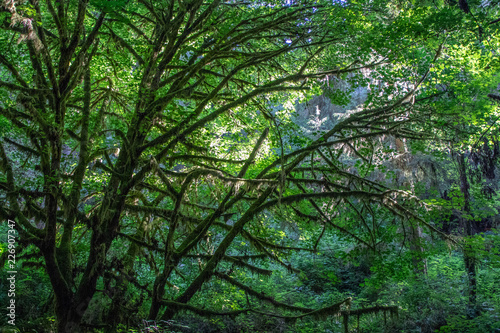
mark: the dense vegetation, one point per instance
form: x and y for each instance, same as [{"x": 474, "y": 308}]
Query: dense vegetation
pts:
[{"x": 250, "y": 166}]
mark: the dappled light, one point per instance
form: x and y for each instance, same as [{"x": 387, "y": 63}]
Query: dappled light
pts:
[{"x": 249, "y": 166}]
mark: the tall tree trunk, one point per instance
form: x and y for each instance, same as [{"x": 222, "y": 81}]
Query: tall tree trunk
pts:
[
  {"x": 469, "y": 258},
  {"x": 118, "y": 310},
  {"x": 70, "y": 321}
]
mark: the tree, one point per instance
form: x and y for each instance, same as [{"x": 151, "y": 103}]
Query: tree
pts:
[{"x": 152, "y": 127}]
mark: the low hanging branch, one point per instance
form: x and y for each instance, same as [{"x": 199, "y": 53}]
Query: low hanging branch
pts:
[
  {"x": 322, "y": 314},
  {"x": 259, "y": 295}
]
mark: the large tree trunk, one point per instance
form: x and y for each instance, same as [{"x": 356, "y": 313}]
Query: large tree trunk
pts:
[
  {"x": 69, "y": 321},
  {"x": 119, "y": 302}
]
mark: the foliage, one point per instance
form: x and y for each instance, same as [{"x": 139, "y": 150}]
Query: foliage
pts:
[{"x": 152, "y": 160}]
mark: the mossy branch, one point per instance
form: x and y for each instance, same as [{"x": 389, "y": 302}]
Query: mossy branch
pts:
[
  {"x": 260, "y": 295},
  {"x": 202, "y": 312}
]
